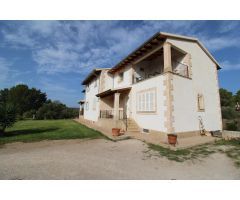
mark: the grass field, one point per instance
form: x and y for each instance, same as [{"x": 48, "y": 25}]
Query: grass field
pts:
[{"x": 36, "y": 130}]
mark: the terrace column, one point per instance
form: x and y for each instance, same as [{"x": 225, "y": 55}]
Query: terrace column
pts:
[
  {"x": 116, "y": 106},
  {"x": 167, "y": 57}
]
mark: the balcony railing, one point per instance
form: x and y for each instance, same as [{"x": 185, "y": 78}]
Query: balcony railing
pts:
[
  {"x": 141, "y": 78},
  {"x": 106, "y": 114},
  {"x": 180, "y": 68},
  {"x": 109, "y": 114}
]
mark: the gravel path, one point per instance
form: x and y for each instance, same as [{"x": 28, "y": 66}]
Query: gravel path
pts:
[{"x": 104, "y": 159}]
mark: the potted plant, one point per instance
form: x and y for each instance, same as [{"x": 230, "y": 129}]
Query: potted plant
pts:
[
  {"x": 115, "y": 131},
  {"x": 172, "y": 139}
]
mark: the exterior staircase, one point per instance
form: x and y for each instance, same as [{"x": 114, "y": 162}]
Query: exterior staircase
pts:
[{"x": 132, "y": 126}]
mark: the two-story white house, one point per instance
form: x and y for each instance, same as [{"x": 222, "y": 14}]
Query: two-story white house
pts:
[{"x": 167, "y": 85}]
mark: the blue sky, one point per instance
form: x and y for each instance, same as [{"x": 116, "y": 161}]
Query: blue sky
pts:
[{"x": 55, "y": 56}]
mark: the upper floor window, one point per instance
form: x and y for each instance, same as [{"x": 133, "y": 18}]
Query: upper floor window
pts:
[
  {"x": 94, "y": 103},
  {"x": 95, "y": 83},
  {"x": 120, "y": 77},
  {"x": 87, "y": 105},
  {"x": 87, "y": 88},
  {"x": 200, "y": 99}
]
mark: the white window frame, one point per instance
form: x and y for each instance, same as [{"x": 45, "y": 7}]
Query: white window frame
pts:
[
  {"x": 146, "y": 101},
  {"x": 87, "y": 105},
  {"x": 200, "y": 102},
  {"x": 95, "y": 83},
  {"x": 87, "y": 88},
  {"x": 94, "y": 106},
  {"x": 120, "y": 76}
]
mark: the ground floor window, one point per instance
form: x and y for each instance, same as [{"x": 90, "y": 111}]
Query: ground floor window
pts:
[
  {"x": 94, "y": 103},
  {"x": 87, "y": 105},
  {"x": 146, "y": 100},
  {"x": 201, "y": 106}
]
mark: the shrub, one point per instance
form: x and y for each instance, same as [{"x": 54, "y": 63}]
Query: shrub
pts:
[
  {"x": 229, "y": 113},
  {"x": 55, "y": 110},
  {"x": 232, "y": 126},
  {"x": 29, "y": 114},
  {"x": 7, "y": 116}
]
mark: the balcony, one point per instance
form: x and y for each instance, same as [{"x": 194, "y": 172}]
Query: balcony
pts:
[{"x": 165, "y": 59}]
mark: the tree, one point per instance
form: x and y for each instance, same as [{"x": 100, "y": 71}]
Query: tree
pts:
[
  {"x": 237, "y": 97},
  {"x": 4, "y": 95},
  {"x": 35, "y": 99},
  {"x": 7, "y": 116},
  {"x": 17, "y": 96},
  {"x": 23, "y": 98},
  {"x": 55, "y": 110},
  {"x": 227, "y": 98}
]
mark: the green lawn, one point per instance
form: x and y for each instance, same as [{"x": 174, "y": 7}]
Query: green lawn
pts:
[{"x": 36, "y": 130}]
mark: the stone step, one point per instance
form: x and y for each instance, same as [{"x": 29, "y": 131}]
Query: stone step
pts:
[
  {"x": 132, "y": 130},
  {"x": 132, "y": 126},
  {"x": 132, "y": 123}
]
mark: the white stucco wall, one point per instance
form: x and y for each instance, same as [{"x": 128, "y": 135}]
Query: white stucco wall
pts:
[
  {"x": 153, "y": 121},
  {"x": 185, "y": 92},
  {"x": 127, "y": 80},
  {"x": 92, "y": 114},
  {"x": 106, "y": 81}
]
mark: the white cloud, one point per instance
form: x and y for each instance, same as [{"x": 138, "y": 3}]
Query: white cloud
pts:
[
  {"x": 226, "y": 65},
  {"x": 59, "y": 91},
  {"x": 18, "y": 39},
  {"x": 79, "y": 46},
  {"x": 43, "y": 27},
  {"x": 8, "y": 74},
  {"x": 219, "y": 43},
  {"x": 4, "y": 69},
  {"x": 27, "y": 34},
  {"x": 52, "y": 60},
  {"x": 228, "y": 26},
  {"x": 51, "y": 86}
]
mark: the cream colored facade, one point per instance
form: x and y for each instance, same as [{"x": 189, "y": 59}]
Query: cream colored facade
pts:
[{"x": 168, "y": 85}]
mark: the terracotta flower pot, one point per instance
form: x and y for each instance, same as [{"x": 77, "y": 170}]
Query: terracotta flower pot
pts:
[
  {"x": 172, "y": 139},
  {"x": 115, "y": 131}
]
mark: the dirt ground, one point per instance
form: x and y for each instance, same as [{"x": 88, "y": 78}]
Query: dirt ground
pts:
[{"x": 104, "y": 159}]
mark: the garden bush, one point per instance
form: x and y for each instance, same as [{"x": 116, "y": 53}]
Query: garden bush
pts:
[
  {"x": 55, "y": 110},
  {"x": 7, "y": 116},
  {"x": 229, "y": 113},
  {"x": 232, "y": 126}
]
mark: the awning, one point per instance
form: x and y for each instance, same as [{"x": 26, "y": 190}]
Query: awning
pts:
[{"x": 112, "y": 91}]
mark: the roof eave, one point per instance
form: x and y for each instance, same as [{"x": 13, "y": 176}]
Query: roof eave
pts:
[
  {"x": 134, "y": 51},
  {"x": 87, "y": 79},
  {"x": 164, "y": 35}
]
